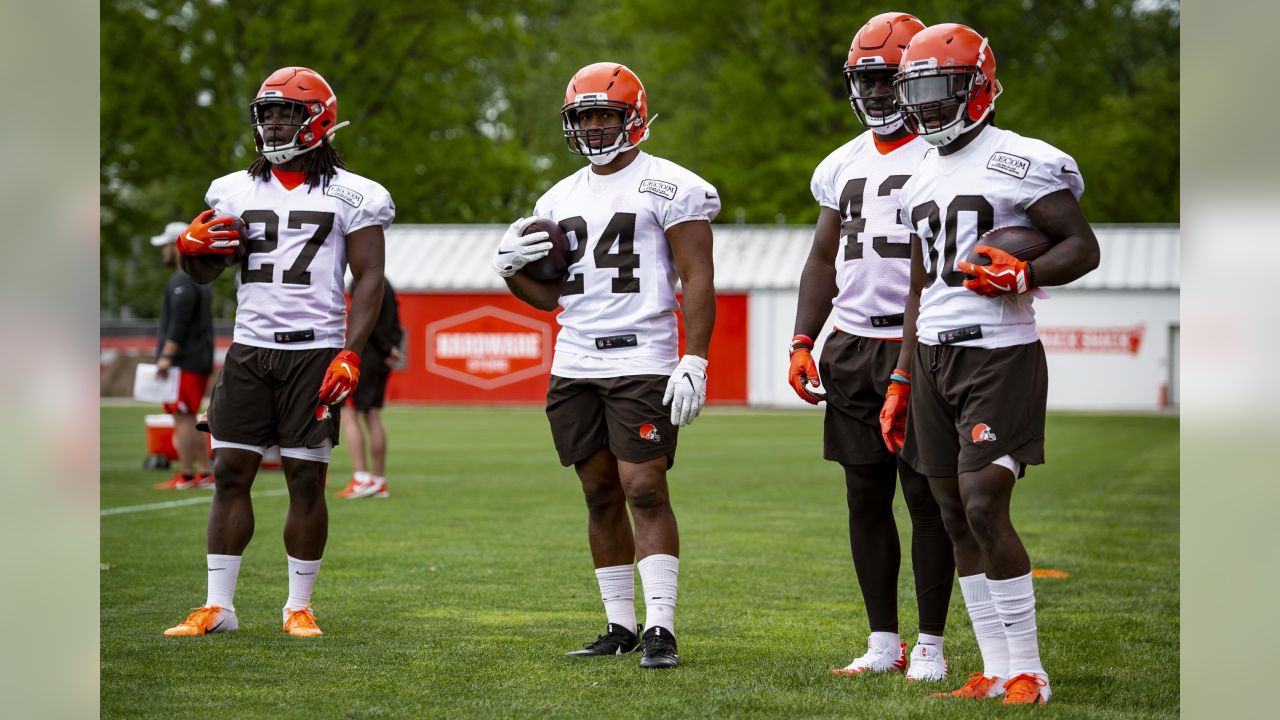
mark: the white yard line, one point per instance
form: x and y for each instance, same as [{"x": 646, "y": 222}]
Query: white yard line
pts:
[{"x": 178, "y": 503}]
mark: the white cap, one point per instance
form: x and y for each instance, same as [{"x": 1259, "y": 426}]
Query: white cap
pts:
[{"x": 170, "y": 234}]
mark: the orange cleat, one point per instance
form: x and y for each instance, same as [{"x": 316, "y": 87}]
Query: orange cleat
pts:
[
  {"x": 204, "y": 481},
  {"x": 1027, "y": 689},
  {"x": 177, "y": 482},
  {"x": 301, "y": 623},
  {"x": 205, "y": 620},
  {"x": 978, "y": 687},
  {"x": 356, "y": 489}
]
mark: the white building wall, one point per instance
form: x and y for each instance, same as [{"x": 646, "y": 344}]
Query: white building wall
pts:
[{"x": 1113, "y": 380}]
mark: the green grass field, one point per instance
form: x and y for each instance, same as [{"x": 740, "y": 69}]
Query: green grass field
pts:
[{"x": 457, "y": 596}]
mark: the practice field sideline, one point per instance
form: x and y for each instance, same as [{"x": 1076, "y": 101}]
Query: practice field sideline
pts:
[{"x": 457, "y": 596}]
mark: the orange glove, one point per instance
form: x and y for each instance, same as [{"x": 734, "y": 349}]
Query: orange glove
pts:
[
  {"x": 203, "y": 238},
  {"x": 1006, "y": 273},
  {"x": 803, "y": 371},
  {"x": 893, "y": 416},
  {"x": 341, "y": 378}
]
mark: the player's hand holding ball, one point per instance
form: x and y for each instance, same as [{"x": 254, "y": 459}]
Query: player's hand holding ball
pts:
[
  {"x": 341, "y": 378},
  {"x": 517, "y": 250},
  {"x": 213, "y": 237},
  {"x": 687, "y": 390}
]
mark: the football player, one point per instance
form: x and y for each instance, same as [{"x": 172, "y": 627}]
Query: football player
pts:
[
  {"x": 295, "y": 356},
  {"x": 619, "y": 390},
  {"x": 860, "y": 263},
  {"x": 978, "y": 368}
]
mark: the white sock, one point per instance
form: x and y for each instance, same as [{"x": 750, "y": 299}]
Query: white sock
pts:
[
  {"x": 618, "y": 591},
  {"x": 362, "y": 477},
  {"x": 659, "y": 574},
  {"x": 986, "y": 625},
  {"x": 931, "y": 640},
  {"x": 1015, "y": 601},
  {"x": 302, "y": 578},
  {"x": 223, "y": 572},
  {"x": 885, "y": 641}
]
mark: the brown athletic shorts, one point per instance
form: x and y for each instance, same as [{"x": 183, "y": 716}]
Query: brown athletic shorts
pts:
[
  {"x": 855, "y": 373},
  {"x": 970, "y": 406},
  {"x": 371, "y": 391},
  {"x": 266, "y": 396},
  {"x": 624, "y": 414}
]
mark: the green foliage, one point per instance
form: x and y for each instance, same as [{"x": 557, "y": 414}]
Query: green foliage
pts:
[
  {"x": 457, "y": 596},
  {"x": 454, "y": 106}
]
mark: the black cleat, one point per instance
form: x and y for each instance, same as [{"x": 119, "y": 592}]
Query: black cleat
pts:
[
  {"x": 616, "y": 640},
  {"x": 659, "y": 650}
]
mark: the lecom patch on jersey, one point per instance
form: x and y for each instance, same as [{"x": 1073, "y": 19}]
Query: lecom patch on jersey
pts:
[
  {"x": 659, "y": 187},
  {"x": 345, "y": 194},
  {"x": 1009, "y": 164}
]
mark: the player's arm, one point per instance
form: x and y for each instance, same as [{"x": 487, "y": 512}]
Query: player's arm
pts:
[
  {"x": 691, "y": 249},
  {"x": 366, "y": 252},
  {"x": 541, "y": 295},
  {"x": 686, "y": 391},
  {"x": 1075, "y": 249},
  {"x": 893, "y": 415},
  {"x": 817, "y": 289}
]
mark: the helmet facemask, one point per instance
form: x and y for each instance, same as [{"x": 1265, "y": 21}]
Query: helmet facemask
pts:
[
  {"x": 877, "y": 111},
  {"x": 298, "y": 116},
  {"x": 593, "y": 143},
  {"x": 941, "y": 103}
]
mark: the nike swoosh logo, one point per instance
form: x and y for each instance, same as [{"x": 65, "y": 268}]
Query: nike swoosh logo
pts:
[
  {"x": 1008, "y": 624},
  {"x": 216, "y": 569},
  {"x": 506, "y": 252},
  {"x": 295, "y": 572},
  {"x": 215, "y": 627},
  {"x": 1072, "y": 172},
  {"x": 691, "y": 385}
]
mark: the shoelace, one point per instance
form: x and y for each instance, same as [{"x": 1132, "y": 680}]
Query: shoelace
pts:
[
  {"x": 659, "y": 644},
  {"x": 1023, "y": 687},
  {"x": 201, "y": 617},
  {"x": 976, "y": 684},
  {"x": 302, "y": 618}
]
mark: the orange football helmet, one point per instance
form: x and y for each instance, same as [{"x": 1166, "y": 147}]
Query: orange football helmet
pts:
[
  {"x": 947, "y": 82},
  {"x": 313, "y": 111},
  {"x": 876, "y": 49},
  {"x": 605, "y": 85}
]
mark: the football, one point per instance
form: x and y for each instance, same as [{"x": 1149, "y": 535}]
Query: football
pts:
[
  {"x": 1024, "y": 243},
  {"x": 240, "y": 251},
  {"x": 552, "y": 267}
]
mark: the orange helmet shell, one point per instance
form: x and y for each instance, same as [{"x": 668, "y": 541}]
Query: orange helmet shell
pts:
[
  {"x": 609, "y": 84},
  {"x": 306, "y": 87},
  {"x": 881, "y": 41},
  {"x": 952, "y": 45}
]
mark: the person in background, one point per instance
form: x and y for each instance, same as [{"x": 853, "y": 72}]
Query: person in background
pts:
[
  {"x": 382, "y": 354},
  {"x": 185, "y": 343}
]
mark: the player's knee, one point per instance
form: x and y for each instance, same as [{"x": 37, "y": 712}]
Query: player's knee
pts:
[
  {"x": 864, "y": 496},
  {"x": 984, "y": 519},
  {"x": 647, "y": 497},
  {"x": 603, "y": 499}
]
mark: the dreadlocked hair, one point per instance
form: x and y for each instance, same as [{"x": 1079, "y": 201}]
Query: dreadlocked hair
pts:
[{"x": 321, "y": 165}]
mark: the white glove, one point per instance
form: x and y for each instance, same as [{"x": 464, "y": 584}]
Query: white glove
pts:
[
  {"x": 516, "y": 250},
  {"x": 686, "y": 390}
]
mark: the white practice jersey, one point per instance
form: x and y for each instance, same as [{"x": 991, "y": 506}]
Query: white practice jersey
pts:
[
  {"x": 620, "y": 301},
  {"x": 953, "y": 199},
  {"x": 289, "y": 289},
  {"x": 873, "y": 265}
]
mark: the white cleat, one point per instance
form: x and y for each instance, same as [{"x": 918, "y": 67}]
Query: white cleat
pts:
[
  {"x": 877, "y": 660},
  {"x": 927, "y": 665}
]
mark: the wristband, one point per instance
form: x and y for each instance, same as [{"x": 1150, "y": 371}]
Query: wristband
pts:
[
  {"x": 1031, "y": 275},
  {"x": 900, "y": 376},
  {"x": 800, "y": 341}
]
